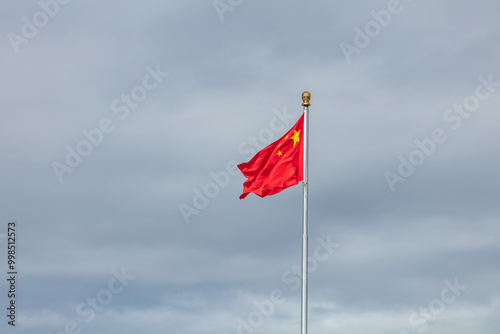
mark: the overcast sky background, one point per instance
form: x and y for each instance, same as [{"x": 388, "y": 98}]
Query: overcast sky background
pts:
[{"x": 229, "y": 75}]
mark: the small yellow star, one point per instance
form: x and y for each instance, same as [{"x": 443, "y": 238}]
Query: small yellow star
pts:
[
  {"x": 280, "y": 143},
  {"x": 295, "y": 137},
  {"x": 280, "y": 153}
]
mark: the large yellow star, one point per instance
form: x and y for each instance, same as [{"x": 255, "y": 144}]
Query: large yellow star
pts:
[{"x": 295, "y": 137}]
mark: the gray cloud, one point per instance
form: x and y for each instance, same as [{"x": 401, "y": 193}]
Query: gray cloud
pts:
[{"x": 119, "y": 207}]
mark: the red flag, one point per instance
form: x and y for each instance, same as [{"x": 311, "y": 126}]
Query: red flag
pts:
[{"x": 277, "y": 166}]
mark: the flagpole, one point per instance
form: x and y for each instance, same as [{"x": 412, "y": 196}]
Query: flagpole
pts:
[{"x": 306, "y": 96}]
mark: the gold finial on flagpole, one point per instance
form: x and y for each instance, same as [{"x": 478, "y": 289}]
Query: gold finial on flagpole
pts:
[{"x": 306, "y": 97}]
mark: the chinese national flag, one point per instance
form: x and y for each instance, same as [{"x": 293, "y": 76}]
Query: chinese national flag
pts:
[{"x": 277, "y": 166}]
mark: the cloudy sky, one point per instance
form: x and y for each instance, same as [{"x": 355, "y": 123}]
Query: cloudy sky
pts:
[{"x": 121, "y": 123}]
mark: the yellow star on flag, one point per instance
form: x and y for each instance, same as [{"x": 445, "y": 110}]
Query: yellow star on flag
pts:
[
  {"x": 295, "y": 137},
  {"x": 280, "y": 153},
  {"x": 280, "y": 143}
]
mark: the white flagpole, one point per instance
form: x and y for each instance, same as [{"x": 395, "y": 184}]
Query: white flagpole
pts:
[{"x": 306, "y": 96}]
